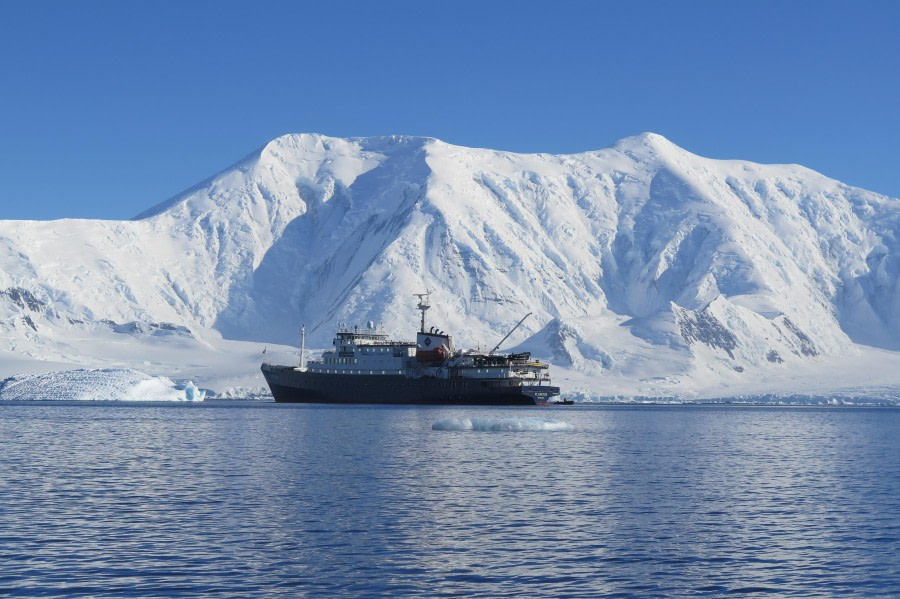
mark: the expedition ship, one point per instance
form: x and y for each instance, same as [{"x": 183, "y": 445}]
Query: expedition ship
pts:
[{"x": 366, "y": 367}]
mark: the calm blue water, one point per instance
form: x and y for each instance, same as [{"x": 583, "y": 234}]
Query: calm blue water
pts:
[{"x": 243, "y": 500}]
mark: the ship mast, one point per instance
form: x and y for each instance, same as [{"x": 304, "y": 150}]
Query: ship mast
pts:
[
  {"x": 303, "y": 347},
  {"x": 423, "y": 305}
]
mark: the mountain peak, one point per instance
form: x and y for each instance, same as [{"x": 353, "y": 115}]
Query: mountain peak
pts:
[
  {"x": 654, "y": 263},
  {"x": 654, "y": 139},
  {"x": 648, "y": 144}
]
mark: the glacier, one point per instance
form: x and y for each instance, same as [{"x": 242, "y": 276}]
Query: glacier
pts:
[
  {"x": 650, "y": 271},
  {"x": 101, "y": 384}
]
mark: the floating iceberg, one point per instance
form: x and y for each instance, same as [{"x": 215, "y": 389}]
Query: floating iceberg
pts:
[
  {"x": 501, "y": 424},
  {"x": 108, "y": 384}
]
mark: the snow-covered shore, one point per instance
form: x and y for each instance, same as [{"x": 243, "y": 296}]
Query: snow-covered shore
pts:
[{"x": 106, "y": 384}]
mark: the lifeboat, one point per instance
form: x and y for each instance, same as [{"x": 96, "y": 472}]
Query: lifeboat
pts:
[{"x": 438, "y": 354}]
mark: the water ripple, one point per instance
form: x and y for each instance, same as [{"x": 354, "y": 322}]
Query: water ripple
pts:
[{"x": 248, "y": 500}]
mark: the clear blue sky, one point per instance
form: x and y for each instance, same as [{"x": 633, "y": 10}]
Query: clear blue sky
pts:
[{"x": 110, "y": 107}]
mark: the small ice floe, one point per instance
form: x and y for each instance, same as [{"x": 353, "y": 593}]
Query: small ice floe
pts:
[
  {"x": 501, "y": 424},
  {"x": 106, "y": 384}
]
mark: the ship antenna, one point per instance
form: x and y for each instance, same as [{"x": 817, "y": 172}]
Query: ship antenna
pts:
[
  {"x": 423, "y": 305},
  {"x": 303, "y": 347}
]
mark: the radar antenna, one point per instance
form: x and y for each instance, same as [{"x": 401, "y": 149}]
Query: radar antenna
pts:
[{"x": 423, "y": 305}]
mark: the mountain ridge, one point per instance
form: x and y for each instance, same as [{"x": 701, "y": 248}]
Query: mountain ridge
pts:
[{"x": 639, "y": 249}]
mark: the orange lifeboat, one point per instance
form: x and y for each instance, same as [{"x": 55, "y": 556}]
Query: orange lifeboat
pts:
[{"x": 438, "y": 354}]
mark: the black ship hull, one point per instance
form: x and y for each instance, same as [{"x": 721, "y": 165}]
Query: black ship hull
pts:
[{"x": 290, "y": 385}]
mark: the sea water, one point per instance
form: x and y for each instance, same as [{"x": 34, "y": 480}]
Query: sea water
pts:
[{"x": 264, "y": 500}]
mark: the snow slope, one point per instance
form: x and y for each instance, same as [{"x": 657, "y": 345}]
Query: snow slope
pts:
[{"x": 648, "y": 270}]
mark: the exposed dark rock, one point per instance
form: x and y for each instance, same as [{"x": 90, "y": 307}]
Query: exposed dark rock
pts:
[
  {"x": 149, "y": 328},
  {"x": 24, "y": 299},
  {"x": 700, "y": 325},
  {"x": 557, "y": 335},
  {"x": 27, "y": 320},
  {"x": 807, "y": 347}
]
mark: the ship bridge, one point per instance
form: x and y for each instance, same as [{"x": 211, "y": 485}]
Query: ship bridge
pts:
[
  {"x": 356, "y": 335},
  {"x": 364, "y": 350}
]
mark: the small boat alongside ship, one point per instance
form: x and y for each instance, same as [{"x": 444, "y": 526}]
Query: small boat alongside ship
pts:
[{"x": 365, "y": 367}]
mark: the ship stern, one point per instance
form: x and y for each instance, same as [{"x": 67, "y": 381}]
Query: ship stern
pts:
[{"x": 540, "y": 394}]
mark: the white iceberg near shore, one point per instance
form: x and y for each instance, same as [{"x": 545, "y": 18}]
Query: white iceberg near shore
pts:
[{"x": 105, "y": 384}]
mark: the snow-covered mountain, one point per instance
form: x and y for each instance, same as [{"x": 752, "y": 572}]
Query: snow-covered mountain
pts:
[{"x": 647, "y": 269}]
